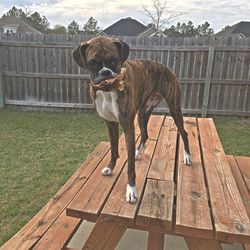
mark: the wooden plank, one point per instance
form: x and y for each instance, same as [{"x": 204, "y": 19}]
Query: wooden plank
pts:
[
  {"x": 202, "y": 244},
  {"x": 105, "y": 236},
  {"x": 238, "y": 175},
  {"x": 208, "y": 80},
  {"x": 116, "y": 207},
  {"x": 230, "y": 218},
  {"x": 39, "y": 224},
  {"x": 59, "y": 234},
  {"x": 239, "y": 178},
  {"x": 156, "y": 209},
  {"x": 244, "y": 165},
  {"x": 163, "y": 162},
  {"x": 50, "y": 104},
  {"x": 2, "y": 102},
  {"x": 154, "y": 125},
  {"x": 88, "y": 203},
  {"x": 192, "y": 209},
  {"x": 155, "y": 241}
]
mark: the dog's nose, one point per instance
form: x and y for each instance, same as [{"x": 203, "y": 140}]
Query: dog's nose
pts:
[{"x": 105, "y": 72}]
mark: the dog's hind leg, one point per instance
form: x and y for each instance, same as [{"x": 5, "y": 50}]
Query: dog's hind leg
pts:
[
  {"x": 113, "y": 129},
  {"x": 142, "y": 118},
  {"x": 144, "y": 114},
  {"x": 175, "y": 111}
]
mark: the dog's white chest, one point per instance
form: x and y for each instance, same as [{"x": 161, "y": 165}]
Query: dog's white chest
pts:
[{"x": 106, "y": 105}]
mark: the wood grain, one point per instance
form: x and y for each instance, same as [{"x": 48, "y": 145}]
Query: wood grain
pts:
[
  {"x": 155, "y": 240},
  {"x": 156, "y": 209},
  {"x": 59, "y": 234},
  {"x": 238, "y": 175},
  {"x": 33, "y": 65},
  {"x": 163, "y": 162},
  {"x": 88, "y": 203},
  {"x": 202, "y": 244},
  {"x": 104, "y": 236},
  {"x": 230, "y": 218},
  {"x": 239, "y": 178},
  {"x": 116, "y": 207},
  {"x": 30, "y": 234},
  {"x": 154, "y": 125},
  {"x": 244, "y": 165},
  {"x": 192, "y": 209}
]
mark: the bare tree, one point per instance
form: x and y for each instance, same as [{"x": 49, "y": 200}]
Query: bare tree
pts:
[{"x": 160, "y": 15}]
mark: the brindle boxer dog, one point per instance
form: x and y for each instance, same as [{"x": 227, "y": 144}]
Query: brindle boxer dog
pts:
[{"x": 144, "y": 84}]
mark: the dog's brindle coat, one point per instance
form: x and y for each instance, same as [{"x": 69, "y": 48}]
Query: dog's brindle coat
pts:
[{"x": 146, "y": 83}]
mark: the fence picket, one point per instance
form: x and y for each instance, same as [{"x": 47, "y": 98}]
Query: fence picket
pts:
[{"x": 214, "y": 73}]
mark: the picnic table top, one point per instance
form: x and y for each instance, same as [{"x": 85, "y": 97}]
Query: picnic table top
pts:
[{"x": 201, "y": 200}]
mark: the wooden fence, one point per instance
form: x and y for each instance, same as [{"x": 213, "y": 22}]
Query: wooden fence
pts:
[{"x": 38, "y": 70}]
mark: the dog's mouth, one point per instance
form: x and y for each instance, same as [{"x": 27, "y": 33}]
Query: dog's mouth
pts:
[
  {"x": 101, "y": 78},
  {"x": 103, "y": 75}
]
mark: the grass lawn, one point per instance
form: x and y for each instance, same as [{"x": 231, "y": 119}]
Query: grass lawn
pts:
[{"x": 40, "y": 151}]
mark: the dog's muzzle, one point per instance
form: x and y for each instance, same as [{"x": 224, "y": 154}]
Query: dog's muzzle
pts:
[{"x": 104, "y": 74}]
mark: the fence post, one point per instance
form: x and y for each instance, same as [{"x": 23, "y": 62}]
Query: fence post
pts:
[
  {"x": 208, "y": 80},
  {"x": 1, "y": 89}
]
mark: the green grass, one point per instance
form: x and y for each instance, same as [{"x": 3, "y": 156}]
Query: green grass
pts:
[
  {"x": 40, "y": 151},
  {"x": 234, "y": 135}
]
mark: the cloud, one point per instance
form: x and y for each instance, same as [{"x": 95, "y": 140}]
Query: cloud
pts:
[{"x": 217, "y": 13}]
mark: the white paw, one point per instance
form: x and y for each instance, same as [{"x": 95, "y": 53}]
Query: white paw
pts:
[
  {"x": 107, "y": 171},
  {"x": 187, "y": 158},
  {"x": 138, "y": 151},
  {"x": 131, "y": 195}
]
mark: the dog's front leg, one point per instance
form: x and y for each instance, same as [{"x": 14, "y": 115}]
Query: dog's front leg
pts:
[
  {"x": 129, "y": 130},
  {"x": 113, "y": 129}
]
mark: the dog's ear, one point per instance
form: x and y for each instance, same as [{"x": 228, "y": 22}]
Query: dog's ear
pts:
[
  {"x": 123, "y": 49},
  {"x": 78, "y": 54}
]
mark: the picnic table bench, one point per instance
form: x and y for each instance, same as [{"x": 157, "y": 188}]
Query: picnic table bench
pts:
[{"x": 206, "y": 203}]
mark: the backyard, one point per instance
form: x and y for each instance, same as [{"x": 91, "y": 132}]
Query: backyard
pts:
[{"x": 39, "y": 151}]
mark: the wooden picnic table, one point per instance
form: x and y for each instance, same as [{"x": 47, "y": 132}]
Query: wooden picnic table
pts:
[{"x": 200, "y": 202}]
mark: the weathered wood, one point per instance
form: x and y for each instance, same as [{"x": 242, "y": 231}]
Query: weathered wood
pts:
[
  {"x": 238, "y": 175},
  {"x": 155, "y": 241},
  {"x": 163, "y": 162},
  {"x": 30, "y": 234},
  {"x": 239, "y": 178},
  {"x": 202, "y": 244},
  {"x": 2, "y": 102},
  {"x": 105, "y": 235},
  {"x": 208, "y": 80},
  {"x": 229, "y": 214},
  {"x": 156, "y": 209},
  {"x": 59, "y": 234},
  {"x": 45, "y": 75},
  {"x": 116, "y": 207},
  {"x": 89, "y": 202},
  {"x": 244, "y": 165},
  {"x": 41, "y": 69},
  {"x": 154, "y": 126},
  {"x": 50, "y": 104},
  {"x": 192, "y": 208}
]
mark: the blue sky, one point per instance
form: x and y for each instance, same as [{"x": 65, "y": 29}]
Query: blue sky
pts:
[{"x": 217, "y": 13}]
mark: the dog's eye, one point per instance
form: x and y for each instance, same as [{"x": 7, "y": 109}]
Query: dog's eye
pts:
[
  {"x": 94, "y": 63},
  {"x": 113, "y": 62}
]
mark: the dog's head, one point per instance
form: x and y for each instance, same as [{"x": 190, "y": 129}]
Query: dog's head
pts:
[{"x": 102, "y": 56}]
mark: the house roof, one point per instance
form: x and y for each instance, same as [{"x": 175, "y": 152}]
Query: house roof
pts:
[
  {"x": 13, "y": 21},
  {"x": 239, "y": 28},
  {"x": 126, "y": 27}
]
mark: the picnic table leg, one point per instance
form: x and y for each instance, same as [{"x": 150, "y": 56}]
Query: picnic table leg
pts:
[
  {"x": 105, "y": 235},
  {"x": 202, "y": 244},
  {"x": 155, "y": 241}
]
